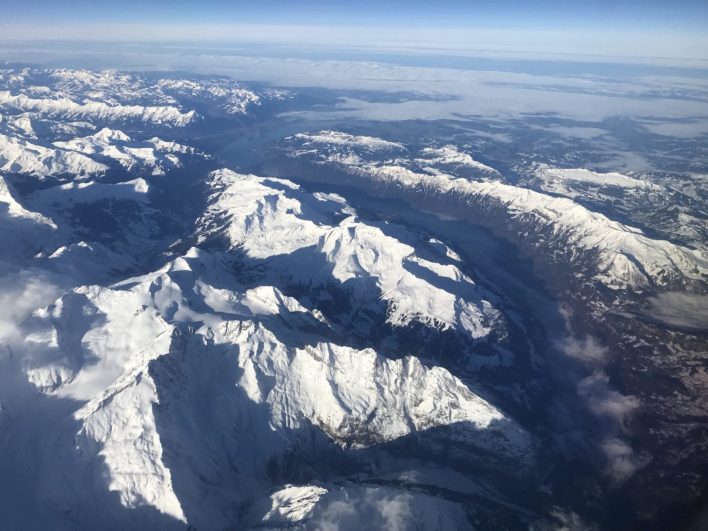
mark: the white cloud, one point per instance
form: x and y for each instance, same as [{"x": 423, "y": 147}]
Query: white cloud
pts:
[
  {"x": 604, "y": 401},
  {"x": 446, "y": 93},
  {"x": 20, "y": 294},
  {"x": 587, "y": 350},
  {"x": 685, "y": 310},
  {"x": 358, "y": 508},
  {"x": 615, "y": 409},
  {"x": 563, "y": 520},
  {"x": 622, "y": 460}
]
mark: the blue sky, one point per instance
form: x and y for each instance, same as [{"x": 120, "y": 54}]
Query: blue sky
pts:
[
  {"x": 659, "y": 28},
  {"x": 687, "y": 15}
]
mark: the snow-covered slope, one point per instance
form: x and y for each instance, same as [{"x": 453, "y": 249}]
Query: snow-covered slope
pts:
[
  {"x": 658, "y": 202},
  {"x": 90, "y": 191},
  {"x": 20, "y": 125},
  {"x": 321, "y": 506},
  {"x": 21, "y": 156},
  {"x": 154, "y": 155},
  {"x": 107, "y": 96},
  {"x": 22, "y": 231},
  {"x": 227, "y": 96},
  {"x": 450, "y": 156},
  {"x": 625, "y": 257},
  {"x": 67, "y": 109},
  {"x": 315, "y": 240},
  {"x": 618, "y": 255},
  {"x": 337, "y": 138},
  {"x": 183, "y": 348},
  {"x": 12, "y": 209},
  {"x": 84, "y": 157},
  {"x": 334, "y": 147},
  {"x": 159, "y": 363},
  {"x": 561, "y": 180},
  {"x": 153, "y": 354},
  {"x": 92, "y": 262}
]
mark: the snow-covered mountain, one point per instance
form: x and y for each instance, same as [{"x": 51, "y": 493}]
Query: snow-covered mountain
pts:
[
  {"x": 274, "y": 387},
  {"x": 270, "y": 219},
  {"x": 564, "y": 231},
  {"x": 113, "y": 97},
  {"x": 139, "y": 352},
  {"x": 153, "y": 155},
  {"x": 22, "y": 156},
  {"x": 66, "y": 109},
  {"x": 12, "y": 210},
  {"x": 377, "y": 334},
  {"x": 617, "y": 251},
  {"x": 664, "y": 205}
]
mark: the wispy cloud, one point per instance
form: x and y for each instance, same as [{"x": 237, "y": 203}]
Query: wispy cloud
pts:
[
  {"x": 20, "y": 294},
  {"x": 604, "y": 401}
]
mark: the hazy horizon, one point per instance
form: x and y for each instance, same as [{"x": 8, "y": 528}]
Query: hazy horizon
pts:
[{"x": 629, "y": 29}]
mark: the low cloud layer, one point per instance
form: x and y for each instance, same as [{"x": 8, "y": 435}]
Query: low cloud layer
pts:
[{"x": 463, "y": 88}]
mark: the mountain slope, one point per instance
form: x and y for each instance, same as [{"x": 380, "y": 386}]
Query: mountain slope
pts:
[{"x": 565, "y": 232}]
